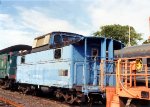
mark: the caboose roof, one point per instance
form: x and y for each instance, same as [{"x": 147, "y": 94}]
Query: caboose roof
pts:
[
  {"x": 80, "y": 38},
  {"x": 15, "y": 48},
  {"x": 117, "y": 44},
  {"x": 58, "y": 32},
  {"x": 73, "y": 39}
]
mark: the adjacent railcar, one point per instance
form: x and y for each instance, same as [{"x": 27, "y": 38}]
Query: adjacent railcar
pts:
[
  {"x": 8, "y": 64},
  {"x": 132, "y": 78},
  {"x": 139, "y": 54},
  {"x": 66, "y": 64}
]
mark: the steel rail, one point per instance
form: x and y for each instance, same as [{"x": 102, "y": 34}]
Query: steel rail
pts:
[{"x": 13, "y": 103}]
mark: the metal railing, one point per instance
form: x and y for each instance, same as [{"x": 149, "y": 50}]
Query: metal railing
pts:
[
  {"x": 107, "y": 70},
  {"x": 129, "y": 82},
  {"x": 129, "y": 77}
]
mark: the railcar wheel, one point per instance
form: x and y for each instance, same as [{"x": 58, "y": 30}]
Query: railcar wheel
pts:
[
  {"x": 2, "y": 82},
  {"x": 76, "y": 98},
  {"x": 7, "y": 84},
  {"x": 58, "y": 94},
  {"x": 67, "y": 97},
  {"x": 72, "y": 99}
]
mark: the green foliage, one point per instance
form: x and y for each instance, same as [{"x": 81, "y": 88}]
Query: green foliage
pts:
[
  {"x": 146, "y": 42},
  {"x": 120, "y": 33}
]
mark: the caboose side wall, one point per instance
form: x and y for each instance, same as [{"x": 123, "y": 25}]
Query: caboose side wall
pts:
[
  {"x": 36, "y": 70},
  {"x": 8, "y": 65},
  {"x": 3, "y": 65},
  {"x": 12, "y": 64},
  {"x": 41, "y": 68}
]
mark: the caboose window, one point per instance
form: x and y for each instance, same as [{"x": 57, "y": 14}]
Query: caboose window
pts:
[
  {"x": 8, "y": 58},
  {"x": 94, "y": 52},
  {"x": 23, "y": 59},
  {"x": 40, "y": 42},
  {"x": 2, "y": 63},
  {"x": 57, "y": 39},
  {"x": 57, "y": 53},
  {"x": 63, "y": 72},
  {"x": 148, "y": 62},
  {"x": 65, "y": 38}
]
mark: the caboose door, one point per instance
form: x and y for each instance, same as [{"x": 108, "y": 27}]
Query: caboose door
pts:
[{"x": 78, "y": 80}]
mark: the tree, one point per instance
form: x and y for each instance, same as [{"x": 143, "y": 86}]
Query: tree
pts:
[
  {"x": 147, "y": 41},
  {"x": 120, "y": 33}
]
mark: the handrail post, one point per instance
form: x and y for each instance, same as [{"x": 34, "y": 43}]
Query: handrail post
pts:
[
  {"x": 126, "y": 71},
  {"x": 102, "y": 75},
  {"x": 117, "y": 74},
  {"x": 146, "y": 76},
  {"x": 130, "y": 76}
]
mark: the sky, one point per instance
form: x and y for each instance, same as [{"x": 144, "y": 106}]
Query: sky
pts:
[{"x": 23, "y": 20}]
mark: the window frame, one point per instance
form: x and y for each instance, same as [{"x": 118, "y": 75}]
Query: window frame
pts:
[
  {"x": 22, "y": 61},
  {"x": 93, "y": 56},
  {"x": 148, "y": 60},
  {"x": 56, "y": 58},
  {"x": 58, "y": 41}
]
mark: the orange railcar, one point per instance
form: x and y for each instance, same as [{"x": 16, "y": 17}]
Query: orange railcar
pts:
[{"x": 132, "y": 84}]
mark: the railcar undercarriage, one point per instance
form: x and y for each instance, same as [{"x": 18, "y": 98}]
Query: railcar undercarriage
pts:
[{"x": 71, "y": 96}]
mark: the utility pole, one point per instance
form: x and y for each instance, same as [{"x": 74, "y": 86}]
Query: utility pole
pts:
[
  {"x": 149, "y": 30},
  {"x": 129, "y": 44},
  {"x": 149, "y": 25}
]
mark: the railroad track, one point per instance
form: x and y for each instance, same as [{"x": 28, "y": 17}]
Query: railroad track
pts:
[
  {"x": 16, "y": 99},
  {"x": 8, "y": 103}
]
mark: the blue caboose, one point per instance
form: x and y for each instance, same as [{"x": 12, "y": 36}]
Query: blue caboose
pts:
[{"x": 66, "y": 63}]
